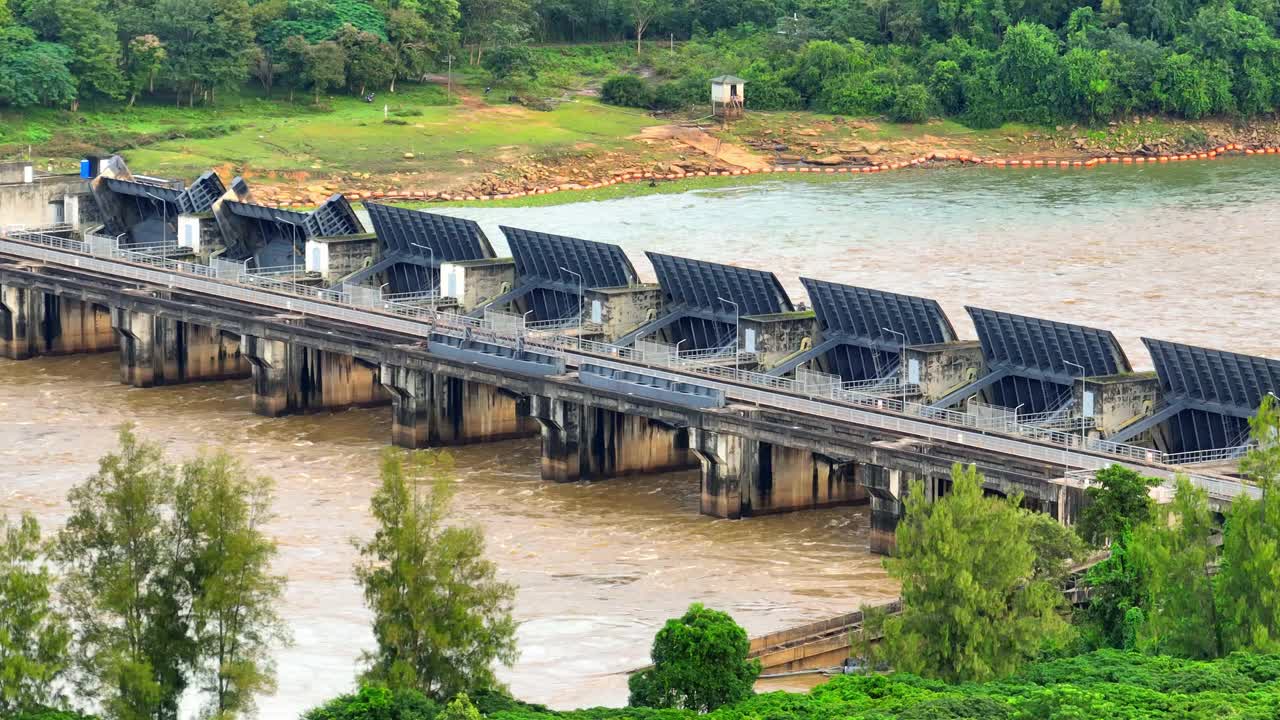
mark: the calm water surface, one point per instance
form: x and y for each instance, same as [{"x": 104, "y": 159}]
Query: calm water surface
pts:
[{"x": 1183, "y": 252}]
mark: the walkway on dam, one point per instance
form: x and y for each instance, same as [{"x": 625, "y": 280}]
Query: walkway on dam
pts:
[{"x": 740, "y": 387}]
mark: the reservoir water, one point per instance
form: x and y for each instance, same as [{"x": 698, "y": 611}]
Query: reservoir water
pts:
[{"x": 1183, "y": 252}]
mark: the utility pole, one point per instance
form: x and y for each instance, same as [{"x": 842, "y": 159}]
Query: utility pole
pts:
[
  {"x": 449, "y": 90},
  {"x": 902, "y": 366},
  {"x": 736, "y": 330},
  {"x": 1084, "y": 436}
]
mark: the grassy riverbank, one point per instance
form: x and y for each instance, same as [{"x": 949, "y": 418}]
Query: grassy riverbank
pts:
[{"x": 427, "y": 139}]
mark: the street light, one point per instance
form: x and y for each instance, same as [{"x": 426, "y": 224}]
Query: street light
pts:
[
  {"x": 164, "y": 227},
  {"x": 580, "y": 301},
  {"x": 679, "y": 342},
  {"x": 1084, "y": 437},
  {"x": 902, "y": 365},
  {"x": 736, "y": 329},
  {"x": 432, "y": 263}
]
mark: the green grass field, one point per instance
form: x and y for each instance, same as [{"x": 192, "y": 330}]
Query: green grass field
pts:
[{"x": 261, "y": 137}]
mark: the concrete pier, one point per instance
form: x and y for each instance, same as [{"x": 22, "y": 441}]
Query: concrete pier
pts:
[
  {"x": 587, "y": 443},
  {"x": 743, "y": 477},
  {"x": 158, "y": 350},
  {"x": 434, "y": 410},
  {"x": 34, "y": 323},
  {"x": 290, "y": 378}
]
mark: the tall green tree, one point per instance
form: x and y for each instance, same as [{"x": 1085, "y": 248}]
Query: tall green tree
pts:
[
  {"x": 1249, "y": 583},
  {"x": 121, "y": 567},
  {"x": 441, "y": 617},
  {"x": 973, "y": 608},
  {"x": 220, "y": 509},
  {"x": 144, "y": 57},
  {"x": 1115, "y": 611},
  {"x": 32, "y": 72},
  {"x": 34, "y": 636},
  {"x": 370, "y": 61},
  {"x": 87, "y": 29},
  {"x": 324, "y": 67},
  {"x": 1175, "y": 552},
  {"x": 1117, "y": 502},
  {"x": 699, "y": 663}
]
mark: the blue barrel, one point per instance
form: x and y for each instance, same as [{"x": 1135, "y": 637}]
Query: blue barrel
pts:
[{"x": 85, "y": 171}]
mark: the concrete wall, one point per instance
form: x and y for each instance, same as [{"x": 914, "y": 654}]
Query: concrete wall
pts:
[
  {"x": 34, "y": 323},
  {"x": 586, "y": 443},
  {"x": 157, "y": 350},
  {"x": 466, "y": 412},
  {"x": 623, "y": 309},
  {"x": 778, "y": 336},
  {"x": 791, "y": 479},
  {"x": 433, "y": 410},
  {"x": 480, "y": 280},
  {"x": 1119, "y": 400},
  {"x": 349, "y": 254},
  {"x": 29, "y": 203},
  {"x": 946, "y": 367},
  {"x": 743, "y": 477},
  {"x": 289, "y": 378}
]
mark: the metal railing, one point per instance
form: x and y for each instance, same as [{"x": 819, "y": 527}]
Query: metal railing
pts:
[
  {"x": 741, "y": 386},
  {"x": 276, "y": 270},
  {"x": 1199, "y": 457}
]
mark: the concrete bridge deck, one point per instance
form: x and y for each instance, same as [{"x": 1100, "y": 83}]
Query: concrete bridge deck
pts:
[{"x": 766, "y": 449}]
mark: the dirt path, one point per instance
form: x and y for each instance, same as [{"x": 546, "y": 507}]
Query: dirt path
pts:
[{"x": 725, "y": 152}]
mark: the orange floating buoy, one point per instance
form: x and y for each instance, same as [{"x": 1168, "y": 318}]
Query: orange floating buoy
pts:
[
  {"x": 1272, "y": 151},
  {"x": 1213, "y": 154},
  {"x": 1076, "y": 163},
  {"x": 1038, "y": 163},
  {"x": 1248, "y": 151},
  {"x": 1203, "y": 156},
  {"x": 1127, "y": 161},
  {"x": 1164, "y": 159}
]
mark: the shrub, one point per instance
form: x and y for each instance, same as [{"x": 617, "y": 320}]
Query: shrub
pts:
[
  {"x": 627, "y": 91},
  {"x": 377, "y": 703},
  {"x": 699, "y": 663},
  {"x": 911, "y": 104}
]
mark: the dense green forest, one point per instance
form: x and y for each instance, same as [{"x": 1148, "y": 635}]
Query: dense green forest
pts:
[{"x": 984, "y": 61}]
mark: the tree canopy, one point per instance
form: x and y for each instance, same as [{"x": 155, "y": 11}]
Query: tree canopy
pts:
[
  {"x": 973, "y": 606},
  {"x": 699, "y": 663}
]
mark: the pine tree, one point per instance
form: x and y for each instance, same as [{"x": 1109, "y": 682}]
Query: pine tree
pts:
[
  {"x": 973, "y": 608},
  {"x": 441, "y": 618}
]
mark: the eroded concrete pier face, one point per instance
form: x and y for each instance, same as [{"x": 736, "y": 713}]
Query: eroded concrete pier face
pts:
[
  {"x": 158, "y": 350},
  {"x": 289, "y": 378},
  {"x": 433, "y": 410},
  {"x": 743, "y": 477},
  {"x": 586, "y": 443},
  {"x": 34, "y": 323}
]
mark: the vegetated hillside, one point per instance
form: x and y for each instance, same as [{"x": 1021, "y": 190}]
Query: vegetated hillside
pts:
[{"x": 985, "y": 61}]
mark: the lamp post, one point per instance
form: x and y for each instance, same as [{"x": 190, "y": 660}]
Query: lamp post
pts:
[
  {"x": 432, "y": 263},
  {"x": 580, "y": 301},
  {"x": 902, "y": 366},
  {"x": 679, "y": 342},
  {"x": 1084, "y": 431},
  {"x": 736, "y": 329},
  {"x": 524, "y": 322},
  {"x": 164, "y": 226}
]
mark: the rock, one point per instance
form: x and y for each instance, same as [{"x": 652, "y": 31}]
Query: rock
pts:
[
  {"x": 1081, "y": 143},
  {"x": 409, "y": 156},
  {"x": 790, "y": 157},
  {"x": 826, "y": 160},
  {"x": 808, "y": 132}
]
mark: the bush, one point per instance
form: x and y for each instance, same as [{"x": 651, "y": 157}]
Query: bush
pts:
[
  {"x": 911, "y": 104},
  {"x": 377, "y": 703},
  {"x": 699, "y": 663},
  {"x": 627, "y": 91}
]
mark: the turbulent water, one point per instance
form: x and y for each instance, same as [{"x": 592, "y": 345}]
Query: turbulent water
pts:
[{"x": 1180, "y": 252}]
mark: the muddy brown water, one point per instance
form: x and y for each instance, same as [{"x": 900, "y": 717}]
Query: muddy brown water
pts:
[{"x": 1181, "y": 252}]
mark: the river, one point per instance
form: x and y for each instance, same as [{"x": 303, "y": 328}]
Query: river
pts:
[{"x": 1183, "y": 252}]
